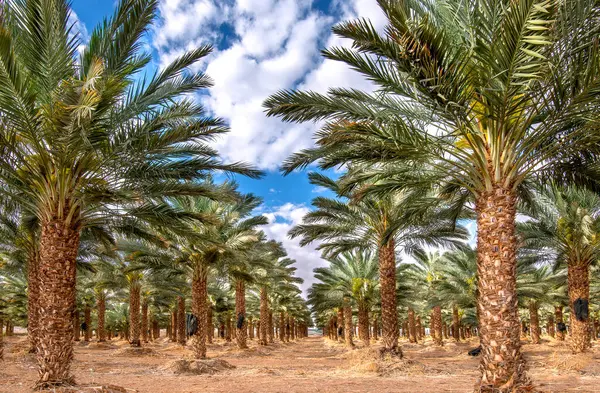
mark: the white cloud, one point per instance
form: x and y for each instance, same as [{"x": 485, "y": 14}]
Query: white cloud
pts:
[
  {"x": 281, "y": 220},
  {"x": 265, "y": 46}
]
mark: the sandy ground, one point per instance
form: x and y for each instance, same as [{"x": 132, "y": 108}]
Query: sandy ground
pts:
[{"x": 308, "y": 365}]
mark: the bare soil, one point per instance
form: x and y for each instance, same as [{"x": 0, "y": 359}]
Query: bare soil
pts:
[{"x": 309, "y": 365}]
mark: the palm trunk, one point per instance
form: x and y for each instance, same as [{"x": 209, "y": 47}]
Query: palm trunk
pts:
[
  {"x": 375, "y": 328},
  {"x": 558, "y": 315},
  {"x": 579, "y": 288},
  {"x": 134, "y": 314},
  {"x": 240, "y": 312},
  {"x": 281, "y": 326},
  {"x": 145, "y": 321},
  {"x": 270, "y": 327},
  {"x": 57, "y": 271},
  {"x": 502, "y": 366},
  {"x": 76, "y": 326},
  {"x": 534, "y": 323},
  {"x": 412, "y": 331},
  {"x": 101, "y": 306},
  {"x": 550, "y": 327},
  {"x": 389, "y": 312},
  {"x": 228, "y": 328},
  {"x": 419, "y": 328},
  {"x": 287, "y": 328},
  {"x": 199, "y": 309},
  {"x": 33, "y": 295},
  {"x": 210, "y": 329},
  {"x": 436, "y": 332},
  {"x": 455, "y": 324},
  {"x": 87, "y": 318},
  {"x": 363, "y": 323},
  {"x": 181, "y": 330},
  {"x": 174, "y": 324},
  {"x": 348, "y": 324},
  {"x": 264, "y": 315},
  {"x": 1, "y": 341},
  {"x": 341, "y": 324}
]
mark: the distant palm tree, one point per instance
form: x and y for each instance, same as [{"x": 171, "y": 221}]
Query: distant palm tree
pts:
[
  {"x": 565, "y": 229},
  {"x": 387, "y": 225},
  {"x": 473, "y": 98},
  {"x": 349, "y": 276}
]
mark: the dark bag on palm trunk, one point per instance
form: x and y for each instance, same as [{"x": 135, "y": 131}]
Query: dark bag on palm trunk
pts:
[
  {"x": 581, "y": 309},
  {"x": 561, "y": 327},
  {"x": 240, "y": 321},
  {"x": 191, "y": 324}
]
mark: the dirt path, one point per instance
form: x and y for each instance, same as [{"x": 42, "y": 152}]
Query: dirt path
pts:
[{"x": 309, "y": 365}]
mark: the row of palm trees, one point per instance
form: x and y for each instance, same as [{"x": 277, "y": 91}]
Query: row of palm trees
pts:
[
  {"x": 473, "y": 104},
  {"x": 106, "y": 169}
]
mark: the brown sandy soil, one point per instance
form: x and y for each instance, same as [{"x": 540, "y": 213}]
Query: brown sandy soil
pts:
[{"x": 308, "y": 365}]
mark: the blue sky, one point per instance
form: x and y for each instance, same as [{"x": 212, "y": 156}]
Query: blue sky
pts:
[{"x": 261, "y": 46}]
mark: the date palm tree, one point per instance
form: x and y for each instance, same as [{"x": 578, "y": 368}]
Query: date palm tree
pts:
[
  {"x": 349, "y": 276},
  {"x": 565, "y": 229},
  {"x": 387, "y": 225},
  {"x": 426, "y": 274},
  {"x": 85, "y": 142},
  {"x": 474, "y": 97}
]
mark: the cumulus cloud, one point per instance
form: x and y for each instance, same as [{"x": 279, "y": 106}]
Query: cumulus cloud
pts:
[
  {"x": 281, "y": 220},
  {"x": 262, "y": 46}
]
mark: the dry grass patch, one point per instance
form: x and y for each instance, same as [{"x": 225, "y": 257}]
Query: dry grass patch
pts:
[
  {"x": 569, "y": 362},
  {"x": 136, "y": 351},
  {"x": 196, "y": 367},
  {"x": 369, "y": 360},
  {"x": 92, "y": 389}
]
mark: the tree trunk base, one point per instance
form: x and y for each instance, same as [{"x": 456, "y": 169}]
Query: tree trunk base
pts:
[{"x": 395, "y": 353}]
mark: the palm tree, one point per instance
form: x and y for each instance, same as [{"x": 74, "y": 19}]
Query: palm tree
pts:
[
  {"x": 426, "y": 275},
  {"x": 350, "y": 275},
  {"x": 565, "y": 229},
  {"x": 85, "y": 142},
  {"x": 475, "y": 97},
  {"x": 384, "y": 224},
  {"x": 537, "y": 286},
  {"x": 222, "y": 241}
]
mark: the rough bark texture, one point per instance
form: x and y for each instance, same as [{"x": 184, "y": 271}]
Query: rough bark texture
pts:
[
  {"x": 87, "y": 318},
  {"x": 101, "y": 310},
  {"x": 270, "y": 327},
  {"x": 436, "y": 322},
  {"x": 455, "y": 324},
  {"x": 419, "y": 328},
  {"x": 341, "y": 323},
  {"x": 363, "y": 324},
  {"x": 558, "y": 315},
  {"x": 264, "y": 315},
  {"x": 412, "y": 329},
  {"x": 76, "y": 325},
  {"x": 57, "y": 275},
  {"x": 145, "y": 321},
  {"x": 375, "y": 328},
  {"x": 174, "y": 325},
  {"x": 281, "y": 326},
  {"x": 287, "y": 328},
  {"x": 348, "y": 324},
  {"x": 181, "y": 331},
  {"x": 199, "y": 309},
  {"x": 210, "y": 329},
  {"x": 389, "y": 313},
  {"x": 502, "y": 366},
  {"x": 134, "y": 314},
  {"x": 579, "y": 288},
  {"x": 550, "y": 327},
  {"x": 1, "y": 342},
  {"x": 240, "y": 312},
  {"x": 534, "y": 323},
  {"x": 33, "y": 296}
]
